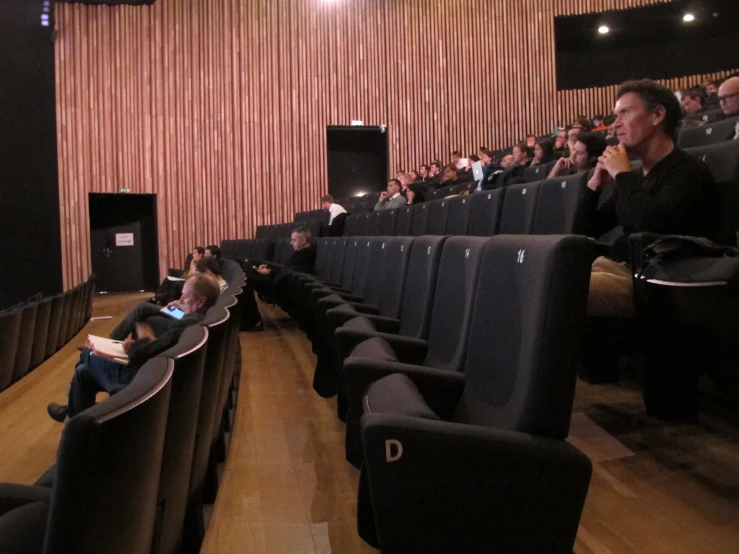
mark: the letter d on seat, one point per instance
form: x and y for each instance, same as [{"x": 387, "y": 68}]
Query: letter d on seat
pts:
[{"x": 389, "y": 457}]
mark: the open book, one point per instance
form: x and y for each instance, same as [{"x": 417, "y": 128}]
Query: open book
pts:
[{"x": 108, "y": 348}]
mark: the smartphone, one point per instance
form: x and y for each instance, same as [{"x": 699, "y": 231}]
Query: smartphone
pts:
[{"x": 173, "y": 311}]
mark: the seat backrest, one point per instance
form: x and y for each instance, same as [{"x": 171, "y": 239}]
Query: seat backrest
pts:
[
  {"x": 25, "y": 340},
  {"x": 537, "y": 172},
  {"x": 485, "y": 209},
  {"x": 323, "y": 258},
  {"x": 557, "y": 204},
  {"x": 57, "y": 303},
  {"x": 375, "y": 223},
  {"x": 420, "y": 223},
  {"x": 420, "y": 286},
  {"x": 108, "y": 467},
  {"x": 404, "y": 221},
  {"x": 41, "y": 331},
  {"x": 91, "y": 285},
  {"x": 351, "y": 227},
  {"x": 231, "y": 271},
  {"x": 352, "y": 262},
  {"x": 369, "y": 285},
  {"x": 723, "y": 159},
  {"x": 237, "y": 249},
  {"x": 438, "y": 214},
  {"x": 523, "y": 343},
  {"x": 459, "y": 215},
  {"x": 338, "y": 260},
  {"x": 394, "y": 271},
  {"x": 456, "y": 286},
  {"x": 64, "y": 323},
  {"x": 519, "y": 208},
  {"x": 707, "y": 134},
  {"x": 179, "y": 443},
  {"x": 387, "y": 222},
  {"x": 363, "y": 225},
  {"x": 10, "y": 328}
]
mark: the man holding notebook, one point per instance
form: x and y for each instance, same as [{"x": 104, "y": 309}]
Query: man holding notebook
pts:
[{"x": 106, "y": 364}]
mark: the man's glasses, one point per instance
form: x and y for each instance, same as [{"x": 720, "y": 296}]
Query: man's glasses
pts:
[{"x": 727, "y": 96}]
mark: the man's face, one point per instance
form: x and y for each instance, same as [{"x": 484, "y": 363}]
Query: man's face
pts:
[
  {"x": 422, "y": 171},
  {"x": 196, "y": 255},
  {"x": 711, "y": 88},
  {"x": 562, "y": 136},
  {"x": 538, "y": 152},
  {"x": 434, "y": 170},
  {"x": 507, "y": 161},
  {"x": 485, "y": 159},
  {"x": 208, "y": 253},
  {"x": 690, "y": 105},
  {"x": 580, "y": 157},
  {"x": 455, "y": 159},
  {"x": 297, "y": 241},
  {"x": 190, "y": 301},
  {"x": 519, "y": 156},
  {"x": 531, "y": 142},
  {"x": 728, "y": 95},
  {"x": 572, "y": 135},
  {"x": 634, "y": 122},
  {"x": 392, "y": 188},
  {"x": 325, "y": 205}
]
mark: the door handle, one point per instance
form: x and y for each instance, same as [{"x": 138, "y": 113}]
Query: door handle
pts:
[{"x": 107, "y": 252}]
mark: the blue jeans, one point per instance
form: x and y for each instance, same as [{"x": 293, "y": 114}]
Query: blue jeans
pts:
[{"x": 93, "y": 375}]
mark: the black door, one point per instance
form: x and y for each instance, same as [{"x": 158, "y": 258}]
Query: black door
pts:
[
  {"x": 123, "y": 242},
  {"x": 357, "y": 160}
]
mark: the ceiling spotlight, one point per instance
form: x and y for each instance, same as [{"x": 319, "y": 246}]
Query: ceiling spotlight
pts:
[
  {"x": 688, "y": 17},
  {"x": 603, "y": 29}
]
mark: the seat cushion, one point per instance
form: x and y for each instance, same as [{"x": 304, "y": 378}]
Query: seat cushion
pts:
[
  {"x": 360, "y": 323},
  {"x": 23, "y": 529},
  {"x": 396, "y": 394},
  {"x": 47, "y": 479},
  {"x": 376, "y": 348}
]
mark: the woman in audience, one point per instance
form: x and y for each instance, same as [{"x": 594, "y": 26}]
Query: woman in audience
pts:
[
  {"x": 211, "y": 267},
  {"x": 522, "y": 154},
  {"x": 414, "y": 176},
  {"x": 197, "y": 253},
  {"x": 407, "y": 193},
  {"x": 543, "y": 152}
]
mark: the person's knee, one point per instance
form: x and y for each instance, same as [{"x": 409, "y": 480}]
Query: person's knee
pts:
[{"x": 610, "y": 296}]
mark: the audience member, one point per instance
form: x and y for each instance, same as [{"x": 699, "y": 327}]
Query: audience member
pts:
[
  {"x": 423, "y": 173},
  {"x": 391, "y": 198},
  {"x": 543, "y": 152},
  {"x": 530, "y": 141},
  {"x": 522, "y": 154},
  {"x": 197, "y": 253},
  {"x": 728, "y": 97},
  {"x": 414, "y": 176},
  {"x": 450, "y": 176},
  {"x": 599, "y": 124},
  {"x": 673, "y": 193},
  {"x": 610, "y": 129},
  {"x": 507, "y": 161},
  {"x": 588, "y": 148},
  {"x": 336, "y": 217},
  {"x": 213, "y": 251},
  {"x": 434, "y": 174},
  {"x": 560, "y": 143},
  {"x": 211, "y": 267},
  {"x": 485, "y": 158},
  {"x": 692, "y": 100},
  {"x": 572, "y": 135},
  {"x": 95, "y": 372}
]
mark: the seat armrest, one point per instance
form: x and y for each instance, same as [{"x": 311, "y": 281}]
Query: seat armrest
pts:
[
  {"x": 325, "y": 304},
  {"x": 441, "y": 389},
  {"x": 13, "y": 495},
  {"x": 323, "y": 292},
  {"x": 382, "y": 324},
  {"x": 528, "y": 492},
  {"x": 412, "y": 351},
  {"x": 637, "y": 243}
]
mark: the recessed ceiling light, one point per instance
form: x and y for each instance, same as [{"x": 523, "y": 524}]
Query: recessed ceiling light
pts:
[
  {"x": 688, "y": 17},
  {"x": 603, "y": 29}
]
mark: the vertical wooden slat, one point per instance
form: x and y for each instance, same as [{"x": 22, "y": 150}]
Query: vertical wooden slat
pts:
[{"x": 220, "y": 107}]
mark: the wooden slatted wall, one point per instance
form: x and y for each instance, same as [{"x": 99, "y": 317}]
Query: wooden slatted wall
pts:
[{"x": 221, "y": 106}]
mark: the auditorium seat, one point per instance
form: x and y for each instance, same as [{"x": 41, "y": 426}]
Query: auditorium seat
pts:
[
  {"x": 443, "y": 347},
  {"x": 62, "y": 339},
  {"x": 25, "y": 340},
  {"x": 363, "y": 224},
  {"x": 557, "y": 203},
  {"x": 91, "y": 283},
  {"x": 437, "y": 217},
  {"x": 41, "y": 331},
  {"x": 104, "y": 497},
  {"x": 375, "y": 225},
  {"x": 351, "y": 228},
  {"x": 458, "y": 215},
  {"x": 387, "y": 222},
  {"x": 485, "y": 210},
  {"x": 10, "y": 328},
  {"x": 707, "y": 134},
  {"x": 404, "y": 221},
  {"x": 74, "y": 305},
  {"x": 55, "y": 319},
  {"x": 487, "y": 442},
  {"x": 519, "y": 207},
  {"x": 419, "y": 225},
  {"x": 537, "y": 172}
]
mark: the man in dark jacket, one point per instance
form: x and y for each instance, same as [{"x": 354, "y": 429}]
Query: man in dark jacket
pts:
[{"x": 95, "y": 372}]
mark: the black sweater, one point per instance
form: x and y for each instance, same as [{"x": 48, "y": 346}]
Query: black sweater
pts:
[
  {"x": 144, "y": 349},
  {"x": 677, "y": 197}
]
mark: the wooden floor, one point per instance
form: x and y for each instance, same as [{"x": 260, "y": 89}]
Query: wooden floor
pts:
[{"x": 286, "y": 487}]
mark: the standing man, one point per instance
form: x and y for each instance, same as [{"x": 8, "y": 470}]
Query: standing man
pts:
[{"x": 337, "y": 216}]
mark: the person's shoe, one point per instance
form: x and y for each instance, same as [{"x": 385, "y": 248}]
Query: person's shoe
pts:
[{"x": 57, "y": 412}]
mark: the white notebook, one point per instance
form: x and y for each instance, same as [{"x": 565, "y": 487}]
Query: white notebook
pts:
[{"x": 108, "y": 348}]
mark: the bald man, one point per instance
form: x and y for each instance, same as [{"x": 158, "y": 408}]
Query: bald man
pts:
[{"x": 728, "y": 97}]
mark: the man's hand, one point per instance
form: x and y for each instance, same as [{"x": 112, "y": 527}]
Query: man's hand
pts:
[
  {"x": 599, "y": 178},
  {"x": 263, "y": 270},
  {"x": 383, "y": 196},
  {"x": 410, "y": 196},
  {"x": 127, "y": 344},
  {"x": 174, "y": 304},
  {"x": 615, "y": 160},
  {"x": 562, "y": 164},
  {"x": 143, "y": 331}
]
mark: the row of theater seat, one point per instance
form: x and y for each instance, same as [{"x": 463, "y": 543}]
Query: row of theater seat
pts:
[
  {"x": 33, "y": 332},
  {"x": 133, "y": 471},
  {"x": 454, "y": 359}
]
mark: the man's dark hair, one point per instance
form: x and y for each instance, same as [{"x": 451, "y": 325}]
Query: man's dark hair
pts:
[
  {"x": 457, "y": 153},
  {"x": 547, "y": 146},
  {"x": 200, "y": 250},
  {"x": 474, "y": 157},
  {"x": 214, "y": 251},
  {"x": 397, "y": 182},
  {"x": 696, "y": 93},
  {"x": 206, "y": 286},
  {"x": 327, "y": 198},
  {"x": 208, "y": 264},
  {"x": 594, "y": 143},
  {"x": 302, "y": 231},
  {"x": 526, "y": 149},
  {"x": 530, "y": 136},
  {"x": 599, "y": 117},
  {"x": 655, "y": 95},
  {"x": 427, "y": 168},
  {"x": 585, "y": 123},
  {"x": 488, "y": 153},
  {"x": 483, "y": 148}
]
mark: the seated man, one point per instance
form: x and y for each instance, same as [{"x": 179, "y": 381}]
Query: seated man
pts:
[
  {"x": 209, "y": 266},
  {"x": 588, "y": 148},
  {"x": 391, "y": 198},
  {"x": 213, "y": 251},
  {"x": 94, "y": 373},
  {"x": 267, "y": 277},
  {"x": 728, "y": 97},
  {"x": 673, "y": 193}
]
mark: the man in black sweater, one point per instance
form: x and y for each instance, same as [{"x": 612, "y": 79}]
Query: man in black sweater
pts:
[
  {"x": 95, "y": 373},
  {"x": 673, "y": 193}
]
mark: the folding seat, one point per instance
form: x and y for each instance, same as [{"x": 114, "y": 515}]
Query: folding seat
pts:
[
  {"x": 707, "y": 134},
  {"x": 476, "y": 461},
  {"x": 557, "y": 204},
  {"x": 351, "y": 228},
  {"x": 41, "y": 331},
  {"x": 25, "y": 340},
  {"x": 438, "y": 214},
  {"x": 404, "y": 221},
  {"x": 537, "y": 172},
  {"x": 61, "y": 340},
  {"x": 374, "y": 227},
  {"x": 420, "y": 222},
  {"x": 387, "y": 222},
  {"x": 10, "y": 328},
  {"x": 91, "y": 282},
  {"x": 104, "y": 497},
  {"x": 74, "y": 305},
  {"x": 485, "y": 209},
  {"x": 459, "y": 215},
  {"x": 519, "y": 207},
  {"x": 55, "y": 320}
]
